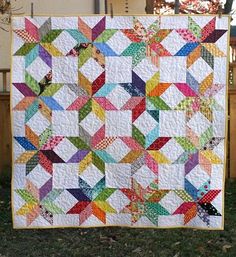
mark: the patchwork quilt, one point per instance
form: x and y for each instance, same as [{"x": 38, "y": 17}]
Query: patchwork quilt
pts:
[{"x": 119, "y": 121}]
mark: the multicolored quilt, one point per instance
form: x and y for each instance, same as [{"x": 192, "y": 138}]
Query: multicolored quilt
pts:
[{"x": 119, "y": 121}]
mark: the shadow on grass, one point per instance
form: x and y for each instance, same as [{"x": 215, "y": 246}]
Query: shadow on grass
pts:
[{"x": 118, "y": 242}]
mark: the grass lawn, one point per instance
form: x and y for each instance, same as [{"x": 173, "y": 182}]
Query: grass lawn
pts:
[{"x": 118, "y": 242}]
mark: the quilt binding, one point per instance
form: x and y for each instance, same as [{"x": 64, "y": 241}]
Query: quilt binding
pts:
[{"x": 127, "y": 226}]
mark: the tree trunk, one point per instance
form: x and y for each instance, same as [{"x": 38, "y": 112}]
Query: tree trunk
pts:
[
  {"x": 149, "y": 6},
  {"x": 228, "y": 6}
]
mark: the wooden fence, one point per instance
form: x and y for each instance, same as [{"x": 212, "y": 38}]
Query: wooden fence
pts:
[
  {"x": 5, "y": 130},
  {"x": 5, "y": 122},
  {"x": 231, "y": 160}
]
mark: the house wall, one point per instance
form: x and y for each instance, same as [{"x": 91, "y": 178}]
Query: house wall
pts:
[{"x": 134, "y": 6}]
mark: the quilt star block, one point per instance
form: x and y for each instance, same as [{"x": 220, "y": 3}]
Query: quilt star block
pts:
[{"x": 119, "y": 121}]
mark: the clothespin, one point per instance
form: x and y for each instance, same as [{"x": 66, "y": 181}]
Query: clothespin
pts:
[
  {"x": 32, "y": 10},
  {"x": 105, "y": 6},
  {"x": 220, "y": 10},
  {"x": 111, "y": 7}
]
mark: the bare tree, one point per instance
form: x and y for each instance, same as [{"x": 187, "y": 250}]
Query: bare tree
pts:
[
  {"x": 149, "y": 6},
  {"x": 184, "y": 6}
]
